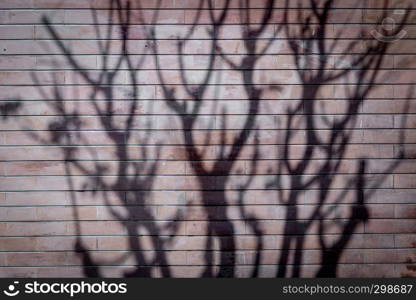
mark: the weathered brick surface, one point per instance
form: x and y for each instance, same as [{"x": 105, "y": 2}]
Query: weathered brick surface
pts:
[{"x": 97, "y": 152}]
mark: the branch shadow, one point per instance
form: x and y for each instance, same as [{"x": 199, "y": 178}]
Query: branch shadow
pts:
[
  {"x": 135, "y": 170},
  {"x": 188, "y": 107},
  {"x": 359, "y": 70}
]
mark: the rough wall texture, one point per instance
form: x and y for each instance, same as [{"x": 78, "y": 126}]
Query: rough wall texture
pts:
[{"x": 207, "y": 138}]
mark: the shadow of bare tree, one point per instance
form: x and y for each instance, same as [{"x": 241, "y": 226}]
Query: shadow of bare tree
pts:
[
  {"x": 326, "y": 139},
  {"x": 187, "y": 107},
  {"x": 312, "y": 46},
  {"x": 135, "y": 167}
]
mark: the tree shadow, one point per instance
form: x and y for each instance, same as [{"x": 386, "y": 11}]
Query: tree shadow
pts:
[
  {"x": 325, "y": 150},
  {"x": 135, "y": 169},
  {"x": 188, "y": 107}
]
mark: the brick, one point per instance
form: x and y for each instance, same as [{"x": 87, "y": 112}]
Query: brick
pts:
[
  {"x": 175, "y": 182},
  {"x": 36, "y": 259},
  {"x": 29, "y": 47},
  {"x": 403, "y": 61},
  {"x": 18, "y": 4},
  {"x": 36, "y": 198},
  {"x": 379, "y": 241},
  {"x": 388, "y": 106},
  {"x": 151, "y": 4},
  {"x": 123, "y": 243},
  {"x": 17, "y": 62},
  {"x": 4, "y": 17},
  {"x": 62, "y": 4},
  {"x": 19, "y": 272},
  {"x": 198, "y": 257},
  {"x": 60, "y": 243},
  {"x": 88, "y": 32},
  {"x": 405, "y": 211},
  {"x": 201, "y": 137},
  {"x": 404, "y": 241},
  {"x": 35, "y": 16},
  {"x": 393, "y": 196},
  {"x": 18, "y": 244},
  {"x": 407, "y": 121},
  {"x": 199, "y": 227},
  {"x": 18, "y": 214},
  {"x": 233, "y": 17},
  {"x": 66, "y": 213},
  {"x": 390, "y": 226},
  {"x": 404, "y": 181},
  {"x": 16, "y": 78},
  {"x": 35, "y": 228},
  {"x": 380, "y": 256},
  {"x": 16, "y": 32},
  {"x": 64, "y": 272},
  {"x": 369, "y": 270},
  {"x": 392, "y": 4},
  {"x": 61, "y": 62},
  {"x": 408, "y": 150}
]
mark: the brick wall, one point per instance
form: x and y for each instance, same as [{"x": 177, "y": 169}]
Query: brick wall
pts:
[{"x": 207, "y": 138}]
